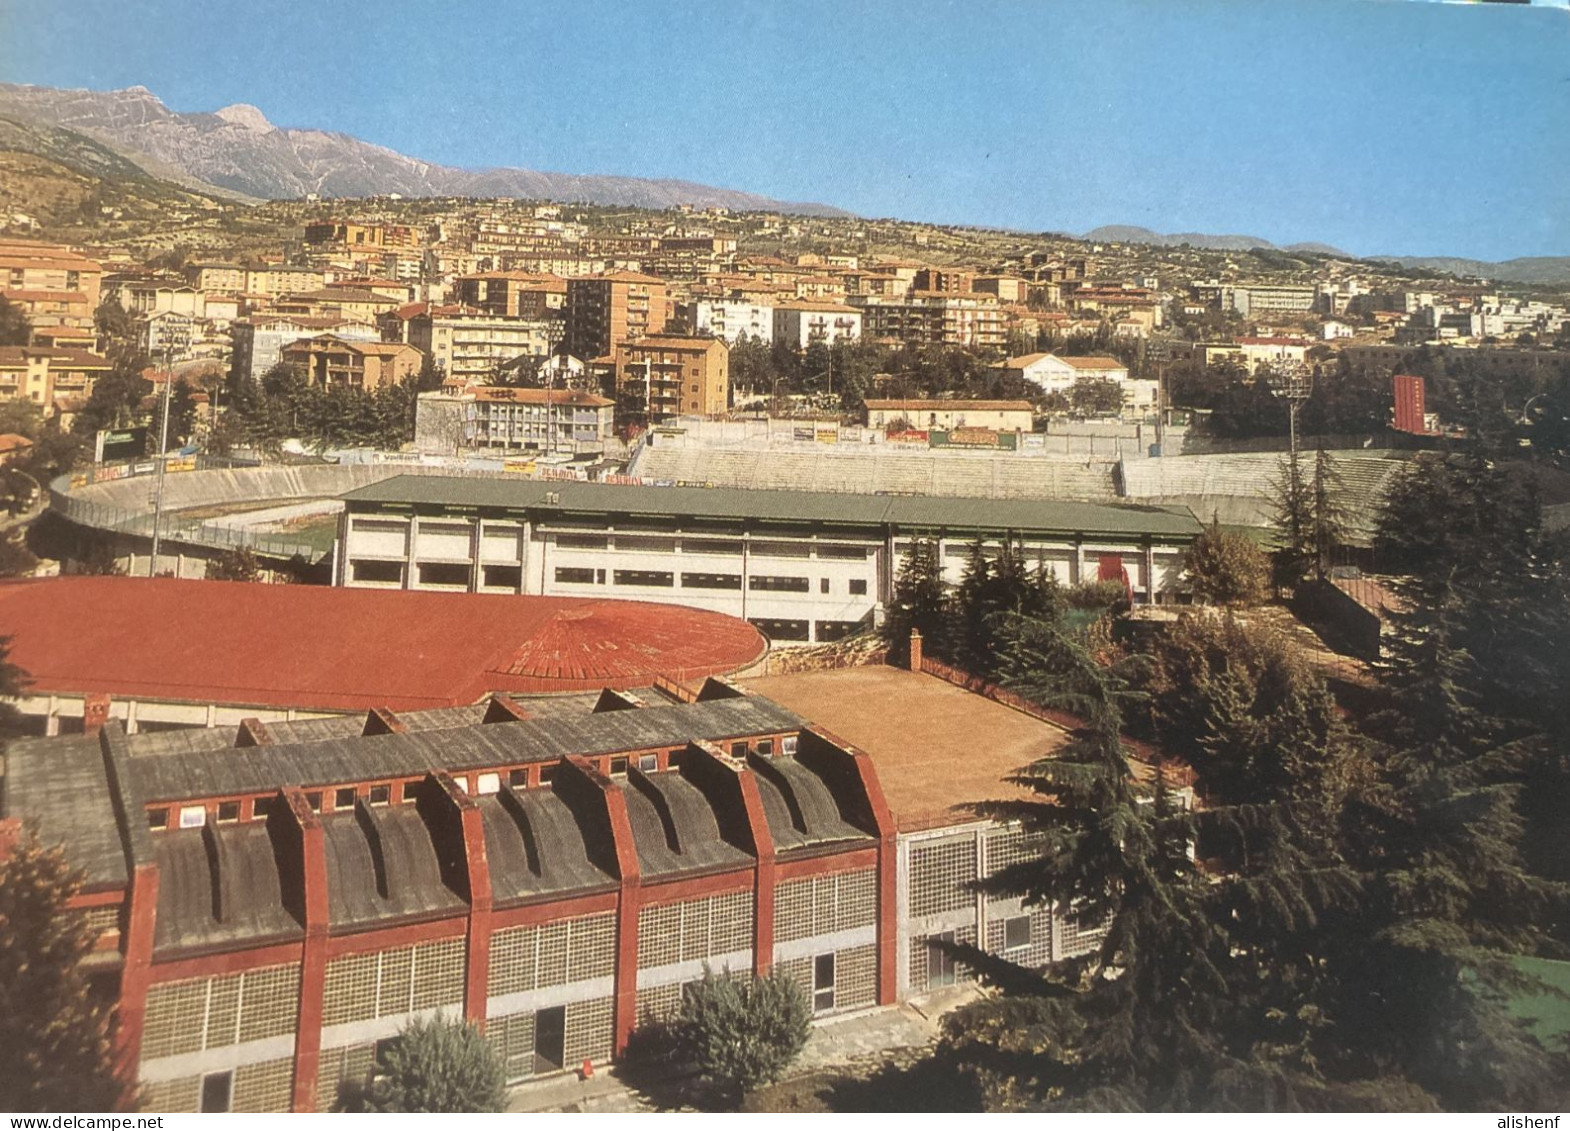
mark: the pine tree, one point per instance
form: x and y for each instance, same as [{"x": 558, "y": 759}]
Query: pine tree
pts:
[
  {"x": 1327, "y": 528},
  {"x": 1203, "y": 991},
  {"x": 919, "y": 602},
  {"x": 57, "y": 1030},
  {"x": 1292, "y": 523}
]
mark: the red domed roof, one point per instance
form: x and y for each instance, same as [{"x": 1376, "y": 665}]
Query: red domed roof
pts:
[{"x": 315, "y": 647}]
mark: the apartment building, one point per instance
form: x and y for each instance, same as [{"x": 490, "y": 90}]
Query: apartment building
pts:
[
  {"x": 603, "y": 310},
  {"x": 257, "y": 342},
  {"x": 504, "y": 418},
  {"x": 57, "y": 380},
  {"x": 804, "y": 322},
  {"x": 973, "y": 320},
  {"x": 362, "y": 235},
  {"x": 516, "y": 294},
  {"x": 272, "y": 282},
  {"x": 217, "y": 278},
  {"x": 329, "y": 361},
  {"x": 730, "y": 318},
  {"x": 472, "y": 345},
  {"x": 1260, "y": 298},
  {"x": 674, "y": 374},
  {"x": 51, "y": 284},
  {"x": 802, "y": 566}
]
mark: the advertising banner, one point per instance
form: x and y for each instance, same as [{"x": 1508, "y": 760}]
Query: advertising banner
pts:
[{"x": 909, "y": 436}]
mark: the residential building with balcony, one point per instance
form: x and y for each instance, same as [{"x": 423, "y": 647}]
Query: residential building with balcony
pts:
[
  {"x": 672, "y": 375},
  {"x": 503, "y": 418},
  {"x": 603, "y": 310},
  {"x": 471, "y": 346},
  {"x": 329, "y": 361},
  {"x": 56, "y": 380},
  {"x": 973, "y": 320},
  {"x": 730, "y": 319},
  {"x": 804, "y": 322},
  {"x": 51, "y": 284}
]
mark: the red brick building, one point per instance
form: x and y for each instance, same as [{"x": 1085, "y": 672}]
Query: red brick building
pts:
[{"x": 275, "y": 900}]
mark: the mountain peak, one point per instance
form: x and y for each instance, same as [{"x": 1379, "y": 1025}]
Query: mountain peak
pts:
[{"x": 246, "y": 116}]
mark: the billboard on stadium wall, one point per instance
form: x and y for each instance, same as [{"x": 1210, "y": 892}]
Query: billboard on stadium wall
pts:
[
  {"x": 975, "y": 438},
  {"x": 909, "y": 436}
]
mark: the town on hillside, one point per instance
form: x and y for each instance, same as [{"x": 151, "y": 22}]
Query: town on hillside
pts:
[{"x": 468, "y": 654}]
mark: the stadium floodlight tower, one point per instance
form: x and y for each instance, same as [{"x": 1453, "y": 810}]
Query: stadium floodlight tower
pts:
[{"x": 1294, "y": 381}]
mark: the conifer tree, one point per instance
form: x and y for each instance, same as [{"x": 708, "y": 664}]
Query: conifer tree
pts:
[
  {"x": 1327, "y": 529},
  {"x": 57, "y": 1029},
  {"x": 919, "y": 602},
  {"x": 1292, "y": 523}
]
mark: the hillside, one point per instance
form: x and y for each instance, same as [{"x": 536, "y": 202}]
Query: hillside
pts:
[
  {"x": 237, "y": 149},
  {"x": 62, "y": 181}
]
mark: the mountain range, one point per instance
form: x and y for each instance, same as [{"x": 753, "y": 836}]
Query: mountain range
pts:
[
  {"x": 236, "y": 150},
  {"x": 1530, "y": 269},
  {"x": 131, "y": 136}
]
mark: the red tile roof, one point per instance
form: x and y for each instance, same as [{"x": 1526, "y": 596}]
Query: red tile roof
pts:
[{"x": 322, "y": 648}]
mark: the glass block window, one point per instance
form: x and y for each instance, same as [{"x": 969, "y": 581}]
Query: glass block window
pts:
[
  {"x": 939, "y": 873},
  {"x": 822, "y": 905}
]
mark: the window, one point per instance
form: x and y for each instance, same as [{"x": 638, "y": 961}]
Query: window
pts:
[
  {"x": 192, "y": 816},
  {"x": 573, "y": 575},
  {"x": 762, "y": 582},
  {"x": 261, "y": 807},
  {"x": 381, "y": 794},
  {"x": 646, "y": 543},
  {"x": 618, "y": 765},
  {"x": 822, "y": 983},
  {"x": 378, "y": 573},
  {"x": 709, "y": 546},
  {"x": 711, "y": 581},
  {"x": 1016, "y": 932},
  {"x": 379, "y": 1057},
  {"x": 828, "y": 630},
  {"x": 849, "y": 553},
  {"x": 765, "y": 746},
  {"x": 738, "y": 750},
  {"x": 580, "y": 541},
  {"x": 217, "y": 1090},
  {"x": 648, "y": 763},
  {"x": 158, "y": 818},
  {"x": 648, "y": 577},
  {"x": 487, "y": 783},
  {"x": 547, "y": 773},
  {"x": 228, "y": 811},
  {"x": 782, "y": 549},
  {"x": 940, "y": 962},
  {"x": 781, "y": 629},
  {"x": 788, "y": 744},
  {"x": 343, "y": 798},
  {"x": 823, "y": 585},
  {"x": 314, "y": 800},
  {"x": 452, "y": 575},
  {"x": 858, "y": 587},
  {"x": 503, "y": 576},
  {"x": 673, "y": 759},
  {"x": 519, "y": 778}
]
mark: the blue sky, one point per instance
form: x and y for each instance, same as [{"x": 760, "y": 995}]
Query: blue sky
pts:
[{"x": 1380, "y": 126}]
